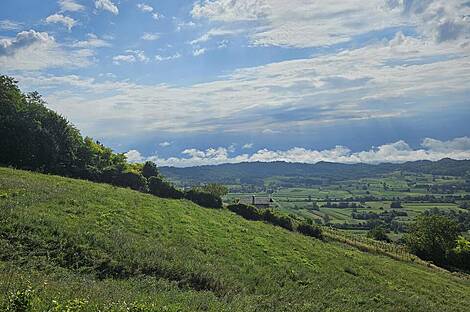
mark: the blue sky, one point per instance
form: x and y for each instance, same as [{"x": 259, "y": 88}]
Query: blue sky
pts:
[{"x": 211, "y": 81}]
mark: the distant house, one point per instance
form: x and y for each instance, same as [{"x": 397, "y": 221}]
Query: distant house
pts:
[{"x": 258, "y": 202}]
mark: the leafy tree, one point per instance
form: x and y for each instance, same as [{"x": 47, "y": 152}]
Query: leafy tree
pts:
[
  {"x": 150, "y": 169},
  {"x": 215, "y": 189},
  {"x": 460, "y": 255},
  {"x": 309, "y": 230},
  {"x": 161, "y": 188},
  {"x": 432, "y": 237},
  {"x": 378, "y": 233},
  {"x": 395, "y": 204},
  {"x": 203, "y": 198}
]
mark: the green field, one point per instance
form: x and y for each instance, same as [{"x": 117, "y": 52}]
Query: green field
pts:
[
  {"x": 397, "y": 185},
  {"x": 102, "y": 248}
]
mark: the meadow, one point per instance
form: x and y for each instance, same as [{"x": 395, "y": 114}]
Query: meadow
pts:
[{"x": 73, "y": 245}]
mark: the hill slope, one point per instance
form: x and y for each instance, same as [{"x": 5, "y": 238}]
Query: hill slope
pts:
[
  {"x": 108, "y": 247},
  {"x": 251, "y": 172}
]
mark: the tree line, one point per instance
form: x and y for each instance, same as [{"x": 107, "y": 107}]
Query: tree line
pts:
[{"x": 36, "y": 138}]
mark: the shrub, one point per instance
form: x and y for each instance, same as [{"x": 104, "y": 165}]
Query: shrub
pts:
[
  {"x": 131, "y": 179},
  {"x": 269, "y": 216},
  {"x": 158, "y": 187},
  {"x": 459, "y": 256},
  {"x": 378, "y": 233},
  {"x": 246, "y": 211},
  {"x": 21, "y": 300},
  {"x": 432, "y": 237},
  {"x": 310, "y": 230},
  {"x": 203, "y": 198},
  {"x": 150, "y": 170}
]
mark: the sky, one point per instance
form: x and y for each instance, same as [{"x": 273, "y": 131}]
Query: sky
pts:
[{"x": 185, "y": 82}]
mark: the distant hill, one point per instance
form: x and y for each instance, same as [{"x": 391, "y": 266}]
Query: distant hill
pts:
[
  {"x": 254, "y": 172},
  {"x": 74, "y": 245}
]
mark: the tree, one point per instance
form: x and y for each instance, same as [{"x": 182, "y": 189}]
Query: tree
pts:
[
  {"x": 150, "y": 170},
  {"x": 203, "y": 198},
  {"x": 158, "y": 187},
  {"x": 378, "y": 233},
  {"x": 395, "y": 204},
  {"x": 214, "y": 189},
  {"x": 432, "y": 237}
]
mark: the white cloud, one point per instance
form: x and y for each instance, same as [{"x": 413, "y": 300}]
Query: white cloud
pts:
[
  {"x": 400, "y": 78},
  {"x": 32, "y": 50},
  {"x": 118, "y": 59},
  {"x": 70, "y": 5},
  {"x": 107, "y": 5},
  {"x": 230, "y": 10},
  {"x": 199, "y": 51},
  {"x": 157, "y": 16},
  {"x": 134, "y": 156},
  {"x": 397, "y": 152},
  {"x": 144, "y": 7},
  {"x": 247, "y": 146},
  {"x": 61, "y": 19},
  {"x": 216, "y": 32},
  {"x": 160, "y": 58},
  {"x": 10, "y": 25},
  {"x": 132, "y": 56},
  {"x": 270, "y": 131},
  {"x": 150, "y": 36},
  {"x": 303, "y": 23},
  {"x": 92, "y": 42},
  {"x": 165, "y": 144}
]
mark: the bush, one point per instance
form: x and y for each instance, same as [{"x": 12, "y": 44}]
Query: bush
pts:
[
  {"x": 310, "y": 230},
  {"x": 131, "y": 179},
  {"x": 378, "y": 233},
  {"x": 432, "y": 238},
  {"x": 150, "y": 170},
  {"x": 21, "y": 300},
  {"x": 459, "y": 256},
  {"x": 246, "y": 211},
  {"x": 283, "y": 221},
  {"x": 203, "y": 198},
  {"x": 161, "y": 188},
  {"x": 395, "y": 205}
]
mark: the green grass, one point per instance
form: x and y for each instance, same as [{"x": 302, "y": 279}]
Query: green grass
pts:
[{"x": 110, "y": 247}]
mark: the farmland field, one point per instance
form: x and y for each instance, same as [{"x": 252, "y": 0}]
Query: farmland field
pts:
[{"x": 353, "y": 205}]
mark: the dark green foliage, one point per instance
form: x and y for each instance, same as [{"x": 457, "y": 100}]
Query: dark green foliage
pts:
[
  {"x": 461, "y": 217},
  {"x": 214, "y": 189},
  {"x": 150, "y": 170},
  {"x": 270, "y": 216},
  {"x": 378, "y": 233},
  {"x": 161, "y": 188},
  {"x": 459, "y": 256},
  {"x": 246, "y": 211},
  {"x": 432, "y": 237},
  {"x": 36, "y": 138},
  {"x": 309, "y": 230},
  {"x": 203, "y": 198},
  {"x": 20, "y": 301}
]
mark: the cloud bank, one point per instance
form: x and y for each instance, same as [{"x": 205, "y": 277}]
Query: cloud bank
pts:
[{"x": 397, "y": 152}]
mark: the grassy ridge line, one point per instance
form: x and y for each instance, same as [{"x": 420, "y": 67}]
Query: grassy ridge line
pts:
[{"x": 49, "y": 223}]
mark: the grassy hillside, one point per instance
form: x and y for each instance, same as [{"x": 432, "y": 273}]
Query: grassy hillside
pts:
[{"x": 77, "y": 243}]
